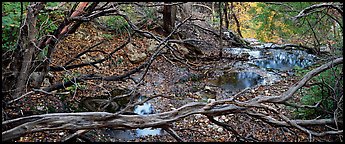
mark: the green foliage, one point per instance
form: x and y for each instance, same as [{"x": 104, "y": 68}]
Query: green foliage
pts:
[
  {"x": 116, "y": 23},
  {"x": 51, "y": 109},
  {"x": 107, "y": 36},
  {"x": 43, "y": 53},
  {"x": 119, "y": 61},
  {"x": 149, "y": 13},
  {"x": 299, "y": 71},
  {"x": 46, "y": 22},
  {"x": 10, "y": 24},
  {"x": 273, "y": 22},
  {"x": 73, "y": 88},
  {"x": 314, "y": 94}
]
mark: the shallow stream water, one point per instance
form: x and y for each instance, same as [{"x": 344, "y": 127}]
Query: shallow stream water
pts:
[{"x": 264, "y": 66}]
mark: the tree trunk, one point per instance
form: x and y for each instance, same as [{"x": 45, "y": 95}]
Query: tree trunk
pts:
[
  {"x": 220, "y": 31},
  {"x": 226, "y": 15},
  {"x": 169, "y": 15},
  {"x": 26, "y": 48},
  {"x": 238, "y": 26}
]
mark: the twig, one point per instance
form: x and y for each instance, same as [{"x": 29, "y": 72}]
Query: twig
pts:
[
  {"x": 20, "y": 97},
  {"x": 76, "y": 134},
  {"x": 173, "y": 133},
  {"x": 227, "y": 127}
]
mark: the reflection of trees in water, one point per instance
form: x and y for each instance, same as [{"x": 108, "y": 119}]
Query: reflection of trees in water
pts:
[
  {"x": 284, "y": 60},
  {"x": 236, "y": 81}
]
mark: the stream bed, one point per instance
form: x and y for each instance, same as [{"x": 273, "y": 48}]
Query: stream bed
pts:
[
  {"x": 264, "y": 66},
  {"x": 261, "y": 67}
]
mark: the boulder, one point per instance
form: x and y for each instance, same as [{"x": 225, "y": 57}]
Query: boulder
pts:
[
  {"x": 151, "y": 45},
  {"x": 133, "y": 55},
  {"x": 181, "y": 48}
]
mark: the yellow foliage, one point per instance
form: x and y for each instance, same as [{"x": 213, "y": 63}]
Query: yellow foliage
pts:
[{"x": 249, "y": 28}]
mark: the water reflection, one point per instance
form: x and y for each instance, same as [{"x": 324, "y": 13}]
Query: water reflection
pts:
[
  {"x": 278, "y": 59},
  {"x": 235, "y": 81},
  {"x": 285, "y": 60}
]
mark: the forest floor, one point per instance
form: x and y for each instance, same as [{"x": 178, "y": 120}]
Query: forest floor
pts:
[{"x": 163, "y": 77}]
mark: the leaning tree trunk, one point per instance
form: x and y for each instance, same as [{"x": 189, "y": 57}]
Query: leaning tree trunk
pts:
[
  {"x": 23, "y": 62},
  {"x": 169, "y": 16},
  {"x": 26, "y": 48}
]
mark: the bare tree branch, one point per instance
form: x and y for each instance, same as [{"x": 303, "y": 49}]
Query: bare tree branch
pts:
[
  {"x": 88, "y": 120},
  {"x": 313, "y": 8}
]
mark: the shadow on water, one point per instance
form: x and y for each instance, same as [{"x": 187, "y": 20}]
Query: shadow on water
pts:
[
  {"x": 235, "y": 81},
  {"x": 125, "y": 135}
]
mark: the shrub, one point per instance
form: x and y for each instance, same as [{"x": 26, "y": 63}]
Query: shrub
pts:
[{"x": 328, "y": 90}]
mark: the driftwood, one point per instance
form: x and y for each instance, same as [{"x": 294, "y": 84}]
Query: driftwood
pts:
[{"x": 90, "y": 120}]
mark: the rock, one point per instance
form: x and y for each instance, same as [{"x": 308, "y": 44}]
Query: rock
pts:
[
  {"x": 220, "y": 129},
  {"x": 284, "y": 74},
  {"x": 61, "y": 133},
  {"x": 210, "y": 100},
  {"x": 243, "y": 55},
  {"x": 181, "y": 48},
  {"x": 40, "y": 108},
  {"x": 151, "y": 45},
  {"x": 207, "y": 88},
  {"x": 223, "y": 117},
  {"x": 133, "y": 55},
  {"x": 46, "y": 82},
  {"x": 86, "y": 59},
  {"x": 267, "y": 93},
  {"x": 36, "y": 78}
]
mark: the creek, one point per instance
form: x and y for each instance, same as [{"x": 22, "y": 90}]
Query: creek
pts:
[
  {"x": 261, "y": 66},
  {"x": 126, "y": 135}
]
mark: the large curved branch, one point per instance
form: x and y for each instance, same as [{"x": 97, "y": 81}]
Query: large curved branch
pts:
[
  {"x": 288, "y": 94},
  {"x": 311, "y": 9}
]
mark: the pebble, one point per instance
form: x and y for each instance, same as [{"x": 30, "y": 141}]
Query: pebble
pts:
[
  {"x": 210, "y": 100},
  {"x": 40, "y": 108},
  {"x": 220, "y": 129},
  {"x": 284, "y": 75},
  {"x": 61, "y": 133},
  {"x": 223, "y": 117},
  {"x": 197, "y": 116}
]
